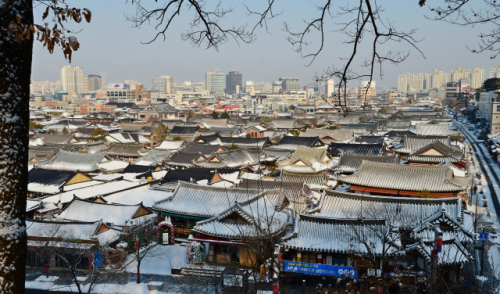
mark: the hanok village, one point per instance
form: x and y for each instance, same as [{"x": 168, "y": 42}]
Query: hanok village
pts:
[{"x": 322, "y": 197}]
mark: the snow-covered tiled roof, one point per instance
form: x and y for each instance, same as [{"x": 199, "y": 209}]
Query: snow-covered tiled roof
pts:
[
  {"x": 350, "y": 163},
  {"x": 413, "y": 143},
  {"x": 69, "y": 231},
  {"x": 88, "y": 211},
  {"x": 113, "y": 165},
  {"x": 92, "y": 191},
  {"x": 306, "y": 160},
  {"x": 204, "y": 201},
  {"x": 357, "y": 149},
  {"x": 314, "y": 181},
  {"x": 404, "y": 212},
  {"x": 73, "y": 161},
  {"x": 261, "y": 220},
  {"x": 171, "y": 145},
  {"x": 324, "y": 234},
  {"x": 447, "y": 154},
  {"x": 434, "y": 130},
  {"x": 228, "y": 159},
  {"x": 407, "y": 177}
]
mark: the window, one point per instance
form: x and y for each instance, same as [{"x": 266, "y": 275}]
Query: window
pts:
[{"x": 498, "y": 107}]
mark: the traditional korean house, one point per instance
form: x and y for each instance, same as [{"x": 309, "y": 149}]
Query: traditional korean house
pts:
[
  {"x": 204, "y": 149},
  {"x": 436, "y": 153},
  {"x": 74, "y": 161},
  {"x": 283, "y": 124},
  {"x": 328, "y": 136},
  {"x": 349, "y": 163},
  {"x": 256, "y": 143},
  {"x": 126, "y": 151},
  {"x": 435, "y": 130},
  {"x": 114, "y": 215},
  {"x": 337, "y": 149},
  {"x": 155, "y": 112},
  {"x": 171, "y": 145},
  {"x": 336, "y": 231},
  {"x": 413, "y": 142},
  {"x": 190, "y": 203},
  {"x": 43, "y": 182},
  {"x": 65, "y": 238},
  {"x": 126, "y": 138},
  {"x": 316, "y": 181},
  {"x": 182, "y": 159},
  {"x": 406, "y": 180},
  {"x": 307, "y": 160},
  {"x": 154, "y": 157},
  {"x": 238, "y": 158},
  {"x": 99, "y": 117},
  {"x": 187, "y": 133},
  {"x": 233, "y": 234},
  {"x": 220, "y": 177},
  {"x": 292, "y": 142},
  {"x": 294, "y": 195}
]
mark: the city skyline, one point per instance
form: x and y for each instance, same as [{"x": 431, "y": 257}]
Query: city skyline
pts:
[{"x": 267, "y": 59}]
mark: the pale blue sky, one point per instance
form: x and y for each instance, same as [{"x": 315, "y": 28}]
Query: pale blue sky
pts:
[{"x": 112, "y": 48}]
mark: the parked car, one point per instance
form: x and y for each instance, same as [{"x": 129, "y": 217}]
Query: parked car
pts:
[{"x": 471, "y": 128}]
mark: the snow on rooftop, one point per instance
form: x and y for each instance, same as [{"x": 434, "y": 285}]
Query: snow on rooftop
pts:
[{"x": 92, "y": 191}]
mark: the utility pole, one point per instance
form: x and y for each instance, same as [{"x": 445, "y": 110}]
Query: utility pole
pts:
[{"x": 482, "y": 256}]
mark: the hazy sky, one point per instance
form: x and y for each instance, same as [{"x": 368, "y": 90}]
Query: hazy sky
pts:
[{"x": 111, "y": 47}]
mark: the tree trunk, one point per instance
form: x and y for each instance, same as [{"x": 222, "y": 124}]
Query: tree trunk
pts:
[
  {"x": 138, "y": 271},
  {"x": 15, "y": 72}
]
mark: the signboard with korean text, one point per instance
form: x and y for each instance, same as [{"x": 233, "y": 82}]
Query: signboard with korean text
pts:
[{"x": 320, "y": 269}]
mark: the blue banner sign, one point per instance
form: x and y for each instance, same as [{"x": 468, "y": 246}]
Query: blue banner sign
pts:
[{"x": 320, "y": 269}]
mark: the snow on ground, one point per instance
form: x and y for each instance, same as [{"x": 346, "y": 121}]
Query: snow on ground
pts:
[
  {"x": 494, "y": 253},
  {"x": 160, "y": 260},
  {"x": 42, "y": 282}
]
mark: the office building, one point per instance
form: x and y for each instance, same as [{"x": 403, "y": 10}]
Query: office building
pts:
[
  {"x": 45, "y": 87},
  {"x": 72, "y": 79},
  {"x": 163, "y": 84},
  {"x": 234, "y": 81},
  {"x": 214, "y": 81},
  {"x": 290, "y": 84}
]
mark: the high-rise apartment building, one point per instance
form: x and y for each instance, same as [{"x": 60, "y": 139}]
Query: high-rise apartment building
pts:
[
  {"x": 214, "y": 81},
  {"x": 290, "y": 84},
  {"x": 72, "y": 79},
  {"x": 438, "y": 79},
  {"x": 163, "y": 84},
  {"x": 93, "y": 83},
  {"x": 234, "y": 81},
  {"x": 131, "y": 84}
]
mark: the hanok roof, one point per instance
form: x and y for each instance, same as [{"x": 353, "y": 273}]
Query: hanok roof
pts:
[
  {"x": 184, "y": 130},
  {"x": 125, "y": 149},
  {"x": 138, "y": 169},
  {"x": 367, "y": 139},
  {"x": 339, "y": 135},
  {"x": 406, "y": 177},
  {"x": 434, "y": 130},
  {"x": 435, "y": 152},
  {"x": 292, "y": 142},
  {"x": 245, "y": 142},
  {"x": 399, "y": 124},
  {"x": 154, "y": 157},
  {"x": 163, "y": 108},
  {"x": 199, "y": 174},
  {"x": 40, "y": 155},
  {"x": 43, "y": 233},
  {"x": 184, "y": 159},
  {"x": 94, "y": 147},
  {"x": 48, "y": 181},
  {"x": 306, "y": 160},
  {"x": 119, "y": 214},
  {"x": 413, "y": 143},
  {"x": 261, "y": 220},
  {"x": 294, "y": 195},
  {"x": 452, "y": 252},
  {"x": 362, "y": 127},
  {"x": 73, "y": 161},
  {"x": 171, "y": 145},
  {"x": 127, "y": 138},
  {"x": 324, "y": 234},
  {"x": 204, "y": 149},
  {"x": 277, "y": 154},
  {"x": 204, "y": 201},
  {"x": 315, "y": 181},
  {"x": 113, "y": 165},
  {"x": 350, "y": 163},
  {"x": 228, "y": 159},
  {"x": 357, "y": 149},
  {"x": 214, "y": 122},
  {"x": 55, "y": 139},
  {"x": 405, "y": 212},
  {"x": 283, "y": 124}
]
